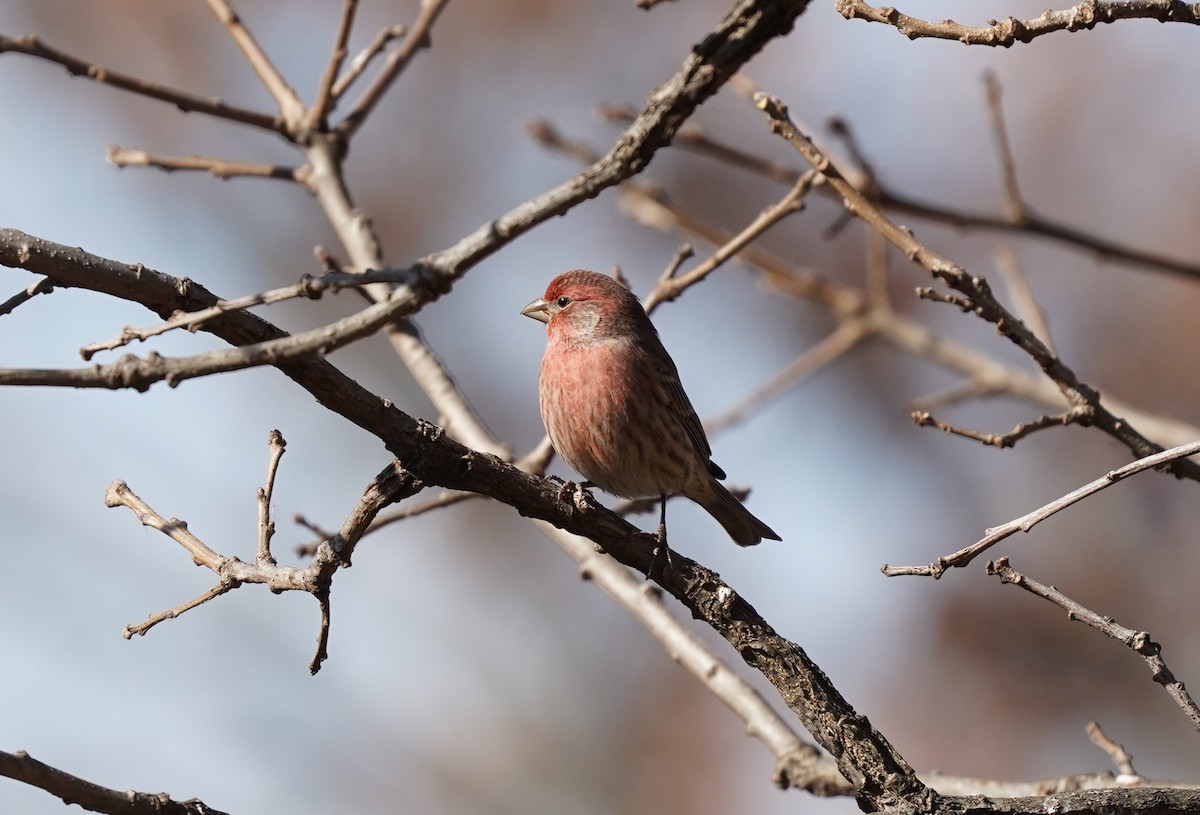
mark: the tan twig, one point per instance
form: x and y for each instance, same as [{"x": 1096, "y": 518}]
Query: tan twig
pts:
[
  {"x": 1031, "y": 519},
  {"x": 1116, "y": 752},
  {"x": 360, "y": 62},
  {"x": 1083, "y": 16},
  {"x": 326, "y": 99},
  {"x": 970, "y": 388},
  {"x": 393, "y": 484},
  {"x": 141, "y": 628},
  {"x": 1138, "y": 641},
  {"x": 266, "y": 527},
  {"x": 187, "y": 102},
  {"x": 682, "y": 255},
  {"x": 669, "y": 288},
  {"x": 1076, "y": 415},
  {"x": 417, "y": 38},
  {"x": 1018, "y": 285},
  {"x": 845, "y": 338},
  {"x": 1018, "y": 212},
  {"x": 290, "y": 106},
  {"x": 308, "y": 287},
  {"x": 446, "y": 499},
  {"x": 216, "y": 167},
  {"x": 42, "y": 286}
]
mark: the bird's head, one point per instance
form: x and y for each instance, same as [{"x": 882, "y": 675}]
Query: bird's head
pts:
[{"x": 583, "y": 305}]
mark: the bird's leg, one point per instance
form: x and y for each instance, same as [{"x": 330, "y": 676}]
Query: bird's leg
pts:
[{"x": 660, "y": 540}]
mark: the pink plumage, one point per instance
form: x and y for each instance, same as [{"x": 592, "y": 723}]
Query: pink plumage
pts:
[{"x": 614, "y": 407}]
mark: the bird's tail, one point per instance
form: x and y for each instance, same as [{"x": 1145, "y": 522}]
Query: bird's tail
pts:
[{"x": 742, "y": 526}]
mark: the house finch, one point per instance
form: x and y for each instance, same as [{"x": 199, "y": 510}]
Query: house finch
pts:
[{"x": 615, "y": 409}]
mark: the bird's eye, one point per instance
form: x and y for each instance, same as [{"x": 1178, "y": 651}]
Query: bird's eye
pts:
[{"x": 563, "y": 301}]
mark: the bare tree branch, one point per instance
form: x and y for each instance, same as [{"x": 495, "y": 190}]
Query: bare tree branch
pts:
[
  {"x": 43, "y": 286},
  {"x": 975, "y": 293},
  {"x": 1030, "y": 224},
  {"x": 1031, "y": 519},
  {"x": 1138, "y": 641},
  {"x": 391, "y": 485},
  {"x": 222, "y": 169},
  {"x": 20, "y": 766},
  {"x": 1082, "y": 16},
  {"x": 290, "y": 106},
  {"x": 418, "y": 37},
  {"x": 326, "y": 98},
  {"x": 187, "y": 102}
]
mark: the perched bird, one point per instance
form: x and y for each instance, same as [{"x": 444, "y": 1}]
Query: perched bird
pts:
[{"x": 614, "y": 407}]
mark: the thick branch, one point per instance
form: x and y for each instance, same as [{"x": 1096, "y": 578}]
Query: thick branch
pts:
[{"x": 20, "y": 766}]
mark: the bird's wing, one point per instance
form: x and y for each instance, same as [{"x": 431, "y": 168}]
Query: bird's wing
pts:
[{"x": 681, "y": 406}]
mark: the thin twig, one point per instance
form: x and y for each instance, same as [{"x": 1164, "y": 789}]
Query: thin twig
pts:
[
  {"x": 42, "y": 286},
  {"x": 1018, "y": 286},
  {"x": 1083, "y": 16},
  {"x": 1031, "y": 519},
  {"x": 220, "y": 168},
  {"x": 141, "y": 628},
  {"x": 326, "y": 99},
  {"x": 418, "y": 38},
  {"x": 1017, "y": 210},
  {"x": 290, "y": 106},
  {"x": 308, "y": 287},
  {"x": 923, "y": 418},
  {"x": 1116, "y": 752},
  {"x": 360, "y": 62},
  {"x": 844, "y": 339},
  {"x": 1138, "y": 641},
  {"x": 669, "y": 288},
  {"x": 266, "y": 527},
  {"x": 187, "y": 102},
  {"x": 974, "y": 292}
]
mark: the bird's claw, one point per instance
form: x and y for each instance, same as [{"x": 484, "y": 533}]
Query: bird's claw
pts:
[
  {"x": 661, "y": 550},
  {"x": 581, "y": 499}
]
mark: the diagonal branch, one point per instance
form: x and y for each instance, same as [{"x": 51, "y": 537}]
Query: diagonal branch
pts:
[
  {"x": 1031, "y": 519},
  {"x": 290, "y": 106},
  {"x": 890, "y": 199},
  {"x": 20, "y": 766},
  {"x": 326, "y": 98},
  {"x": 1137, "y": 641},
  {"x": 417, "y": 38},
  {"x": 187, "y": 102},
  {"x": 975, "y": 293}
]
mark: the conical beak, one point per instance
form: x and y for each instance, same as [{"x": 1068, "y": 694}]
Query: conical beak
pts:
[{"x": 539, "y": 310}]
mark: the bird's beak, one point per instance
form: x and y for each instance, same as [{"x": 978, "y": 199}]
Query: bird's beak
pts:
[{"x": 539, "y": 310}]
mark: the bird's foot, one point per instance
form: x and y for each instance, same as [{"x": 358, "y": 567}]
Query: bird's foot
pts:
[
  {"x": 661, "y": 550},
  {"x": 581, "y": 499}
]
